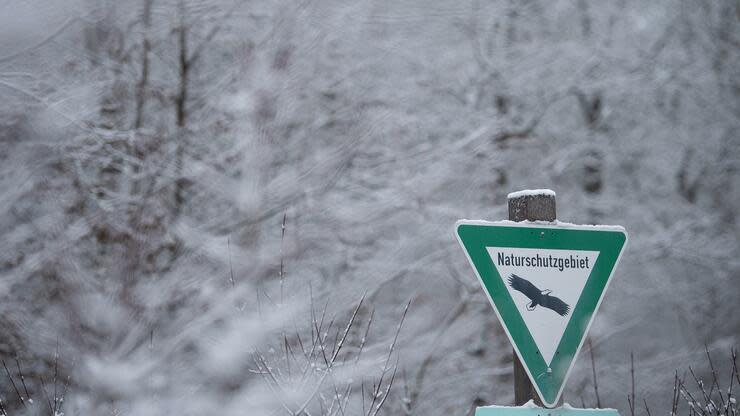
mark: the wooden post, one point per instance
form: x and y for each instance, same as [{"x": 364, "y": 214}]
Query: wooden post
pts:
[{"x": 531, "y": 206}]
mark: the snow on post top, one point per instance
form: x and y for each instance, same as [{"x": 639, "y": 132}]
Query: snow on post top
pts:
[{"x": 531, "y": 192}]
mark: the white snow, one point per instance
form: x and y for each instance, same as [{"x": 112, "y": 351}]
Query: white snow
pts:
[
  {"x": 530, "y": 192},
  {"x": 591, "y": 409},
  {"x": 531, "y": 405},
  {"x": 556, "y": 223}
]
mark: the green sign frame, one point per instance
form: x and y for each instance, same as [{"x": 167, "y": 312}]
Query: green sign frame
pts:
[{"x": 476, "y": 236}]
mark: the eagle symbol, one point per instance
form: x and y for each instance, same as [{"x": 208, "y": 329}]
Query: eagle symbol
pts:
[{"x": 537, "y": 296}]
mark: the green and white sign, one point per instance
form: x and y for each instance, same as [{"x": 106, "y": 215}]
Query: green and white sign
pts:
[
  {"x": 538, "y": 411},
  {"x": 545, "y": 281}
]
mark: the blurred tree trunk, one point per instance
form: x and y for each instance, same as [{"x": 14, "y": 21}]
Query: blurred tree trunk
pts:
[
  {"x": 180, "y": 108},
  {"x": 141, "y": 89}
]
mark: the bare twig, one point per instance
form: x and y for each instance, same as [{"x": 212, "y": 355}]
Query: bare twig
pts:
[
  {"x": 631, "y": 398},
  {"x": 46, "y": 395},
  {"x": 364, "y": 336},
  {"x": 377, "y": 390},
  {"x": 700, "y": 384},
  {"x": 23, "y": 379},
  {"x": 282, "y": 238},
  {"x": 56, "y": 375},
  {"x": 363, "y": 397},
  {"x": 715, "y": 381},
  {"x": 231, "y": 267},
  {"x": 733, "y": 370},
  {"x": 593, "y": 370},
  {"x": 647, "y": 409},
  {"x": 347, "y": 328},
  {"x": 308, "y": 370},
  {"x": 674, "y": 402},
  {"x": 387, "y": 390},
  {"x": 15, "y": 388},
  {"x": 711, "y": 401}
]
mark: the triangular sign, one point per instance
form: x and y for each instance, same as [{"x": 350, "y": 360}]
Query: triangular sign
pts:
[{"x": 545, "y": 282}]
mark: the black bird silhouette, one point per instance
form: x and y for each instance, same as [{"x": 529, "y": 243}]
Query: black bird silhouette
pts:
[{"x": 537, "y": 296}]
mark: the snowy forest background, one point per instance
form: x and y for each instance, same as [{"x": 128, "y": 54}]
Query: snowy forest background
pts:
[{"x": 225, "y": 207}]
